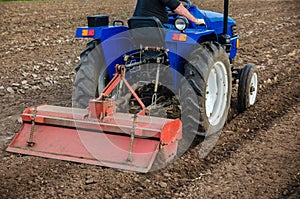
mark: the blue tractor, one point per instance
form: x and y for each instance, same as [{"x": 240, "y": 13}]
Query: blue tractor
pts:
[
  {"x": 142, "y": 92},
  {"x": 203, "y": 55}
]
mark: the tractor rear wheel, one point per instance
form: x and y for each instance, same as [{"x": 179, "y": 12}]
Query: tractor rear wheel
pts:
[
  {"x": 209, "y": 73},
  {"x": 91, "y": 75}
]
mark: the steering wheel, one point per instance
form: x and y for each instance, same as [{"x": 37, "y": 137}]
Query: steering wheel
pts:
[{"x": 186, "y": 3}]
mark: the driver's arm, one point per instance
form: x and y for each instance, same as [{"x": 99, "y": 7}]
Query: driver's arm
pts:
[{"x": 181, "y": 10}]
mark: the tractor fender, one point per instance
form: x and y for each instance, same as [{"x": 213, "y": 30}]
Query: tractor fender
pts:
[
  {"x": 208, "y": 46},
  {"x": 212, "y": 37}
]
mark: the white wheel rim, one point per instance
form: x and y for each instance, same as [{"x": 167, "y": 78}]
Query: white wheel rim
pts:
[
  {"x": 253, "y": 89},
  {"x": 216, "y": 93}
]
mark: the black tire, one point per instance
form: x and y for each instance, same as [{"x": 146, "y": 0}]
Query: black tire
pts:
[
  {"x": 209, "y": 57},
  {"x": 87, "y": 84},
  {"x": 248, "y": 86}
]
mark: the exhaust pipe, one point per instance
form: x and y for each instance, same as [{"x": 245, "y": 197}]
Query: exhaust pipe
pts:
[{"x": 225, "y": 25}]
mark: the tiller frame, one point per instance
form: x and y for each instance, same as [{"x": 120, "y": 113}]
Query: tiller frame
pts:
[{"x": 98, "y": 135}]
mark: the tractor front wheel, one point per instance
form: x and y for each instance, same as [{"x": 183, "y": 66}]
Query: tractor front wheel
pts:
[{"x": 248, "y": 86}]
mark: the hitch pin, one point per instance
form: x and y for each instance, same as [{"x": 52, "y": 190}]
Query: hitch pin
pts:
[{"x": 129, "y": 158}]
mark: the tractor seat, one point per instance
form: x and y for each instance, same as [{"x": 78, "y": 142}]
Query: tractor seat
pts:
[{"x": 147, "y": 31}]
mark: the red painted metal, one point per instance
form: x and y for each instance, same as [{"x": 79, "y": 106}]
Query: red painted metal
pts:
[
  {"x": 63, "y": 133},
  {"x": 171, "y": 132},
  {"x": 98, "y": 135},
  {"x": 101, "y": 108},
  {"x": 120, "y": 72},
  {"x": 86, "y": 147},
  {"x": 143, "y": 111}
]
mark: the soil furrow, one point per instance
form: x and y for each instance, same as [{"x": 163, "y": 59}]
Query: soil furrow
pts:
[{"x": 255, "y": 156}]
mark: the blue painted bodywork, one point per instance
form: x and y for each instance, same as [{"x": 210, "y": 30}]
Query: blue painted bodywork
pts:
[{"x": 116, "y": 40}]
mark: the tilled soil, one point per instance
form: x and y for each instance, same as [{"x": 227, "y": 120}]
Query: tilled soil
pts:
[{"x": 256, "y": 156}]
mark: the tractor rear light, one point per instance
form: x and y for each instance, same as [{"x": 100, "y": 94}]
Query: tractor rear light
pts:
[
  {"x": 88, "y": 33},
  {"x": 179, "y": 37},
  {"x": 84, "y": 32},
  {"x": 91, "y": 33}
]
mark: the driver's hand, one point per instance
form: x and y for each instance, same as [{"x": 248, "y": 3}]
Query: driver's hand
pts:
[{"x": 200, "y": 22}]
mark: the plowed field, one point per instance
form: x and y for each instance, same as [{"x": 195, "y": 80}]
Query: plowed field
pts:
[{"x": 257, "y": 155}]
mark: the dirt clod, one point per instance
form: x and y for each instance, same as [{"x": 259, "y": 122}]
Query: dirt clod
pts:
[
  {"x": 163, "y": 184},
  {"x": 257, "y": 154}
]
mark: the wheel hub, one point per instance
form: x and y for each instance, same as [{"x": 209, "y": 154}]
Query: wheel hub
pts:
[
  {"x": 253, "y": 89},
  {"x": 216, "y": 93}
]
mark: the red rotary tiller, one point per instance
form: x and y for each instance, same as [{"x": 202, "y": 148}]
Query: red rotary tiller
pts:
[{"x": 98, "y": 135}]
